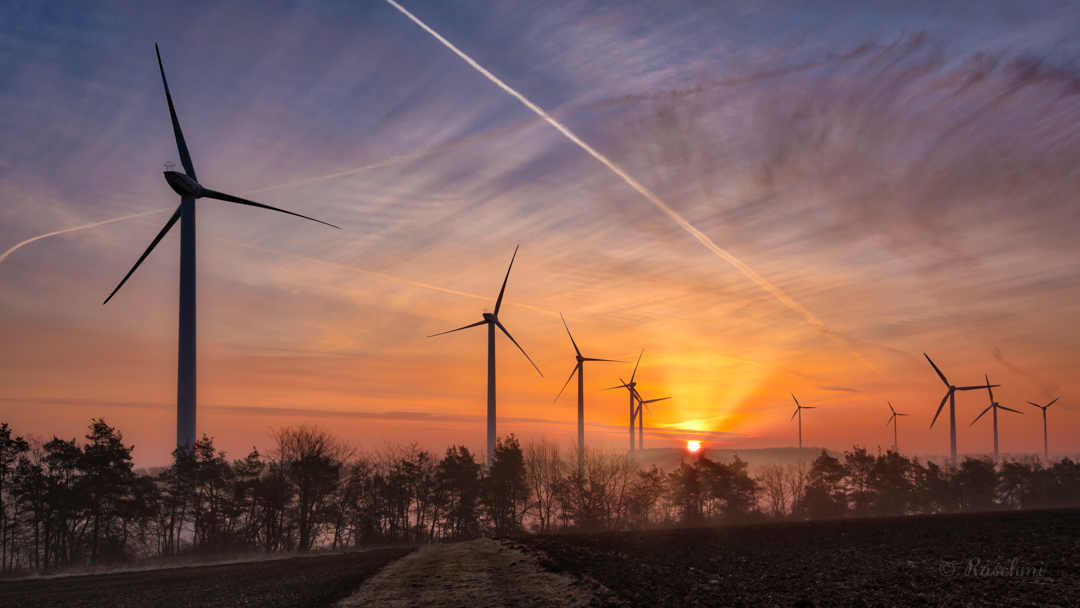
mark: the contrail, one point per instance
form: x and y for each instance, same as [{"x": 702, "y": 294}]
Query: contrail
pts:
[
  {"x": 4, "y": 255},
  {"x": 389, "y": 277},
  {"x": 633, "y": 183}
]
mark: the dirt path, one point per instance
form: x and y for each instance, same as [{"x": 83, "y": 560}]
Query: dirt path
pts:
[{"x": 479, "y": 574}]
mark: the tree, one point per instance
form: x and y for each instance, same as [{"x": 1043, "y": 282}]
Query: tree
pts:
[
  {"x": 106, "y": 482},
  {"x": 825, "y": 496},
  {"x": 506, "y": 490},
  {"x": 10, "y": 450},
  {"x": 311, "y": 459}
]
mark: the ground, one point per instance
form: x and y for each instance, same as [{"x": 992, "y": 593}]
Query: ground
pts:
[
  {"x": 302, "y": 582},
  {"x": 990, "y": 559}
]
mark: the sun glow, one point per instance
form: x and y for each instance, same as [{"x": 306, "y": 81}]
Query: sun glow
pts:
[{"x": 693, "y": 446}]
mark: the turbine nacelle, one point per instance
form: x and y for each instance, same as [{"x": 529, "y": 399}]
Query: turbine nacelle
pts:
[
  {"x": 184, "y": 185},
  {"x": 490, "y": 318}
]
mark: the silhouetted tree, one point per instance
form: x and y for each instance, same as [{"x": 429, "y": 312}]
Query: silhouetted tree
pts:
[
  {"x": 506, "y": 491},
  {"x": 825, "y": 497}
]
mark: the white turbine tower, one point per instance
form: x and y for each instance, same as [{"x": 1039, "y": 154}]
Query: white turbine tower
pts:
[
  {"x": 491, "y": 319},
  {"x": 188, "y": 187}
]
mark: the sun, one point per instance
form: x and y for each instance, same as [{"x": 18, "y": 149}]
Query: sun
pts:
[{"x": 693, "y": 446}]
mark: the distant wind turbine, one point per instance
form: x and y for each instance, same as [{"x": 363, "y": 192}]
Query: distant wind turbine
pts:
[
  {"x": 491, "y": 319},
  {"x": 1046, "y": 446},
  {"x": 641, "y": 417},
  {"x": 187, "y": 186},
  {"x": 951, "y": 398},
  {"x": 994, "y": 405},
  {"x": 579, "y": 369},
  {"x": 893, "y": 420},
  {"x": 629, "y": 386},
  {"x": 798, "y": 412}
]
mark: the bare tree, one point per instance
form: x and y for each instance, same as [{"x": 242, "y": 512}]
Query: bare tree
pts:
[
  {"x": 776, "y": 493},
  {"x": 312, "y": 459},
  {"x": 545, "y": 472}
]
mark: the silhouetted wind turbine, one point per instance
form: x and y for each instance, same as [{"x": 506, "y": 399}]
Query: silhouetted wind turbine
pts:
[
  {"x": 629, "y": 386},
  {"x": 491, "y": 319},
  {"x": 993, "y": 406},
  {"x": 641, "y": 417},
  {"x": 798, "y": 411},
  {"x": 893, "y": 420},
  {"x": 579, "y": 369},
  {"x": 1046, "y": 446},
  {"x": 951, "y": 398},
  {"x": 187, "y": 186}
]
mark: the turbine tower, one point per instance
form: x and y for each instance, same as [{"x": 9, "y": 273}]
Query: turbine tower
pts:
[
  {"x": 188, "y": 187},
  {"x": 951, "y": 398},
  {"x": 579, "y": 369},
  {"x": 629, "y": 386},
  {"x": 993, "y": 406},
  {"x": 798, "y": 411},
  {"x": 1046, "y": 447},
  {"x": 491, "y": 319},
  {"x": 641, "y": 417},
  {"x": 893, "y": 420}
]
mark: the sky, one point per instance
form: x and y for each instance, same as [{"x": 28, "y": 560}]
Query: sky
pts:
[{"x": 901, "y": 178}]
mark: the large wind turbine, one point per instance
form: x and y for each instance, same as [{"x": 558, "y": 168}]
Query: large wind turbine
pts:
[
  {"x": 491, "y": 319},
  {"x": 993, "y": 406},
  {"x": 951, "y": 398},
  {"x": 579, "y": 369},
  {"x": 893, "y": 420},
  {"x": 798, "y": 411},
  {"x": 641, "y": 417},
  {"x": 1046, "y": 446},
  {"x": 188, "y": 187},
  {"x": 629, "y": 386}
]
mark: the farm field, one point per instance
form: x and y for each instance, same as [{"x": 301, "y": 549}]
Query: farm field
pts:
[
  {"x": 986, "y": 559},
  {"x": 300, "y": 582}
]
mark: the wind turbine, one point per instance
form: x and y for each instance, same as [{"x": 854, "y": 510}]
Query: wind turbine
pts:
[
  {"x": 188, "y": 187},
  {"x": 798, "y": 411},
  {"x": 491, "y": 319},
  {"x": 893, "y": 420},
  {"x": 629, "y": 386},
  {"x": 951, "y": 398},
  {"x": 579, "y": 369},
  {"x": 641, "y": 417},
  {"x": 993, "y": 406},
  {"x": 1046, "y": 449}
]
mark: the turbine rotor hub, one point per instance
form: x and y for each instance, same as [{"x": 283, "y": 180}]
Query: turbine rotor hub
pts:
[{"x": 183, "y": 185}]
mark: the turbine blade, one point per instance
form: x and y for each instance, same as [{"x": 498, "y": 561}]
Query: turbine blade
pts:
[
  {"x": 891, "y": 408},
  {"x": 903, "y": 414},
  {"x": 936, "y": 370},
  {"x": 576, "y": 368},
  {"x": 498, "y": 303},
  {"x": 1052, "y": 402},
  {"x": 793, "y": 415},
  {"x": 459, "y": 329},
  {"x": 157, "y": 239},
  {"x": 500, "y": 326},
  {"x": 221, "y": 196},
  {"x": 576, "y": 349},
  {"x": 614, "y": 387},
  {"x": 975, "y": 388},
  {"x": 644, "y": 403},
  {"x": 809, "y": 407},
  {"x": 981, "y": 415},
  {"x": 890, "y": 419},
  {"x": 1008, "y": 408},
  {"x": 655, "y": 400},
  {"x": 796, "y": 400},
  {"x": 636, "y": 365},
  {"x": 604, "y": 360},
  {"x": 940, "y": 407},
  {"x": 988, "y": 388},
  {"x": 181, "y": 145}
]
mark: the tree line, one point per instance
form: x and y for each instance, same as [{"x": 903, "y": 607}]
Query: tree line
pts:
[{"x": 71, "y": 503}]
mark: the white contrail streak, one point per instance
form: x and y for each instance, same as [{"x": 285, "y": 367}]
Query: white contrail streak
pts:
[
  {"x": 4, "y": 255},
  {"x": 633, "y": 183}
]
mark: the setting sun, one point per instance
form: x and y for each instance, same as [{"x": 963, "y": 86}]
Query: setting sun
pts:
[{"x": 693, "y": 446}]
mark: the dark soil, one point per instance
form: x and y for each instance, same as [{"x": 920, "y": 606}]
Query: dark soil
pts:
[
  {"x": 300, "y": 582},
  {"x": 942, "y": 560}
]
